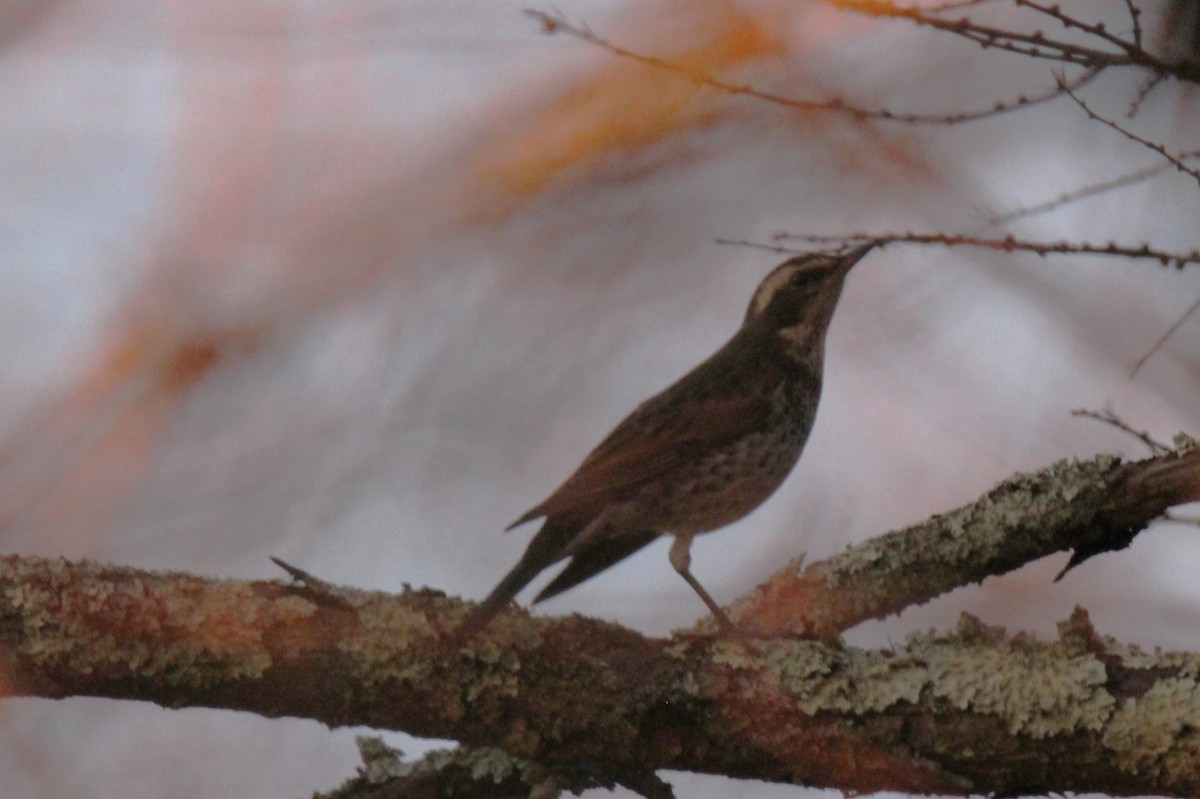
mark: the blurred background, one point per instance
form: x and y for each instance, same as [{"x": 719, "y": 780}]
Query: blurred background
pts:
[{"x": 357, "y": 285}]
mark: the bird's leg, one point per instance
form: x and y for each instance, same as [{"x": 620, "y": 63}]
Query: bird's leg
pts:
[{"x": 681, "y": 559}]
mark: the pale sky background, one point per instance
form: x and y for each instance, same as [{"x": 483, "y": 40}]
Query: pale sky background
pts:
[{"x": 356, "y": 285}]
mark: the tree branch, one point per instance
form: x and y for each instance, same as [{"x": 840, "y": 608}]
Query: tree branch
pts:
[
  {"x": 571, "y": 694},
  {"x": 1006, "y": 244},
  {"x": 1087, "y": 507}
]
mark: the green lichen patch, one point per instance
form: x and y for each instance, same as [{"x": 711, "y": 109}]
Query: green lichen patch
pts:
[
  {"x": 121, "y": 623},
  {"x": 817, "y": 678},
  {"x": 1158, "y": 734},
  {"x": 970, "y": 537},
  {"x": 475, "y": 770},
  {"x": 1039, "y": 689}
]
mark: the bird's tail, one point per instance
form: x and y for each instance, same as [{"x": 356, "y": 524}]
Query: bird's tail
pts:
[
  {"x": 595, "y": 558},
  {"x": 501, "y": 595},
  {"x": 546, "y": 549}
]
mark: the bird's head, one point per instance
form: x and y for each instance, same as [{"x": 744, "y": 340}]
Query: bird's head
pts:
[{"x": 796, "y": 300}]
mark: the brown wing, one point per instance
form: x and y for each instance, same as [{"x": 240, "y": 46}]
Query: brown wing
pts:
[{"x": 714, "y": 404}]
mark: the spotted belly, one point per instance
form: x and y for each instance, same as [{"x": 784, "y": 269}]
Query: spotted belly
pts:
[{"x": 726, "y": 485}]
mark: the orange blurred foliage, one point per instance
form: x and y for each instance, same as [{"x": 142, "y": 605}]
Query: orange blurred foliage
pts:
[{"x": 625, "y": 105}]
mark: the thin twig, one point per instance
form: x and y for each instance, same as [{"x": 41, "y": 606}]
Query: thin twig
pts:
[
  {"x": 1143, "y": 92},
  {"x": 1036, "y": 44},
  {"x": 758, "y": 245},
  {"x": 555, "y": 23},
  {"x": 1158, "y": 345},
  {"x": 313, "y": 585},
  {"x": 1076, "y": 195},
  {"x": 954, "y": 6},
  {"x": 1109, "y": 417},
  {"x": 1174, "y": 160},
  {"x": 1006, "y": 244},
  {"x": 1135, "y": 16},
  {"x": 1099, "y": 30}
]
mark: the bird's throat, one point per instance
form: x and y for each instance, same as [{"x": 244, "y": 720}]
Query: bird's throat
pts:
[{"x": 802, "y": 343}]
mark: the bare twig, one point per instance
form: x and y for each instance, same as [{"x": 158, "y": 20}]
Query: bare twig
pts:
[
  {"x": 1158, "y": 345},
  {"x": 1129, "y": 53},
  {"x": 1034, "y": 45},
  {"x": 1143, "y": 91},
  {"x": 1175, "y": 160},
  {"x": 779, "y": 249},
  {"x": 1109, "y": 417},
  {"x": 1076, "y": 195},
  {"x": 955, "y": 6},
  {"x": 556, "y": 23},
  {"x": 1006, "y": 244},
  {"x": 1135, "y": 17},
  {"x": 315, "y": 587},
  {"x": 1099, "y": 30}
]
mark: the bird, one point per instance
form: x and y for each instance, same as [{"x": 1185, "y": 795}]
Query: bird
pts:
[{"x": 699, "y": 455}]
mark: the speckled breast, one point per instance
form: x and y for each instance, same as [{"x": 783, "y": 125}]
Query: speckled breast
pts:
[{"x": 725, "y": 485}]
